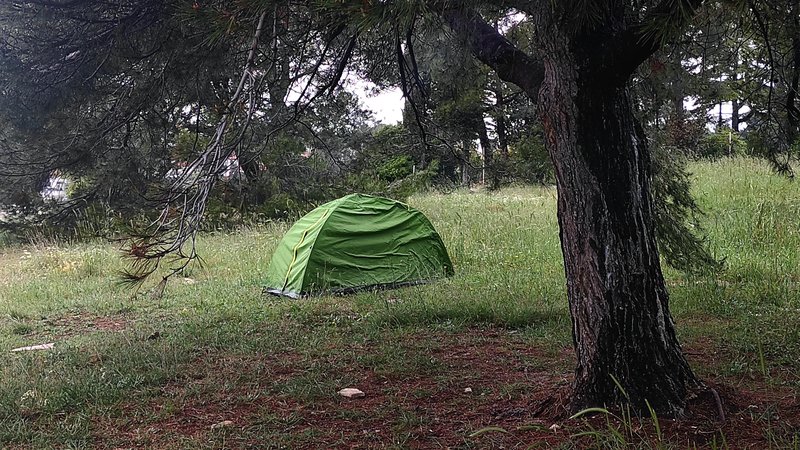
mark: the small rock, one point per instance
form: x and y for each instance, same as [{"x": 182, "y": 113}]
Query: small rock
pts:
[
  {"x": 223, "y": 424},
  {"x": 351, "y": 393},
  {"x": 29, "y": 348},
  {"x": 468, "y": 390},
  {"x": 554, "y": 427}
]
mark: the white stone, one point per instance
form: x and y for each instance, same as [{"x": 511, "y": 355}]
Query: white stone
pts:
[
  {"x": 223, "y": 424},
  {"x": 29, "y": 348},
  {"x": 351, "y": 393},
  {"x": 468, "y": 390}
]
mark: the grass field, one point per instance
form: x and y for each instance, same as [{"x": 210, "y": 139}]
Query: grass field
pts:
[{"x": 214, "y": 364}]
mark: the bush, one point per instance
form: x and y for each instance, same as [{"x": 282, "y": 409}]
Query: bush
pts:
[
  {"x": 529, "y": 161},
  {"x": 7, "y": 239},
  {"x": 396, "y": 168},
  {"x": 765, "y": 143},
  {"x": 723, "y": 142}
]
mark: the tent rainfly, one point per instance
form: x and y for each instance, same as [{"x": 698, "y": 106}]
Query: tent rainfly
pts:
[{"x": 357, "y": 242}]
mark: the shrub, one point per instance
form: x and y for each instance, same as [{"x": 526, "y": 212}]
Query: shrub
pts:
[
  {"x": 723, "y": 142},
  {"x": 529, "y": 161},
  {"x": 395, "y": 168}
]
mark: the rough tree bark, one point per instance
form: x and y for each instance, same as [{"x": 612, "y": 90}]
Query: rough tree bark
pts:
[{"x": 622, "y": 329}]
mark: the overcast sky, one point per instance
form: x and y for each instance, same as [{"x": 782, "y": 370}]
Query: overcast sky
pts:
[{"x": 386, "y": 104}]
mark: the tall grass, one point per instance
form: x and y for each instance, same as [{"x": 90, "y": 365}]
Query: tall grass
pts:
[
  {"x": 506, "y": 254},
  {"x": 753, "y": 223}
]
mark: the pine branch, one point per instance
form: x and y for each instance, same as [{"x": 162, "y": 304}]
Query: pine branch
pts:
[
  {"x": 493, "y": 49},
  {"x": 620, "y": 55},
  {"x": 171, "y": 232}
]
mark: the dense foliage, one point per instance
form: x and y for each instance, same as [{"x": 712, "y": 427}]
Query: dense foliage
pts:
[{"x": 120, "y": 101}]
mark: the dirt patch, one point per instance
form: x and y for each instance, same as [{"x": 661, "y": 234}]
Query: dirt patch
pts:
[
  {"x": 109, "y": 323},
  {"x": 74, "y": 324},
  {"x": 484, "y": 388}
]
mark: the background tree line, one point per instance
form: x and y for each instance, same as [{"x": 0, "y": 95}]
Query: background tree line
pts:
[
  {"x": 122, "y": 140},
  {"x": 116, "y": 138}
]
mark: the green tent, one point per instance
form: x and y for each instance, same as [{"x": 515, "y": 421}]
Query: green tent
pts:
[{"x": 356, "y": 242}]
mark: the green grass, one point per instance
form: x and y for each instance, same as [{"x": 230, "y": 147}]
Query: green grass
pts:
[
  {"x": 753, "y": 223},
  {"x": 214, "y": 342}
]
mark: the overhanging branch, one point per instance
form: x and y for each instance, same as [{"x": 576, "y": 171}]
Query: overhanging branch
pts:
[
  {"x": 184, "y": 207},
  {"x": 490, "y": 47},
  {"x": 627, "y": 50}
]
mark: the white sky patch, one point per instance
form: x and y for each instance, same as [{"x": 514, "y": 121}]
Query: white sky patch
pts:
[
  {"x": 693, "y": 65},
  {"x": 713, "y": 114},
  {"x": 690, "y": 103},
  {"x": 386, "y": 103},
  {"x": 299, "y": 90},
  {"x": 725, "y": 110}
]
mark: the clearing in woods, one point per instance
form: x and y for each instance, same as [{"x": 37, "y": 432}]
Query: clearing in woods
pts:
[{"x": 482, "y": 360}]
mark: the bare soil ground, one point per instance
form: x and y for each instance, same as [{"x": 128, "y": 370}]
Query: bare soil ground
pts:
[{"x": 484, "y": 388}]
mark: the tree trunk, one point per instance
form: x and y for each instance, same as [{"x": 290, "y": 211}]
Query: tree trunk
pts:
[
  {"x": 793, "y": 112},
  {"x": 678, "y": 107},
  {"x": 622, "y": 328},
  {"x": 500, "y": 121},
  {"x": 735, "y": 105},
  {"x": 623, "y": 332},
  {"x": 488, "y": 156},
  {"x": 465, "y": 178}
]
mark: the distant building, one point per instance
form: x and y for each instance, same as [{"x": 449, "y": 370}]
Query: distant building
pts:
[
  {"x": 56, "y": 188},
  {"x": 231, "y": 170}
]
